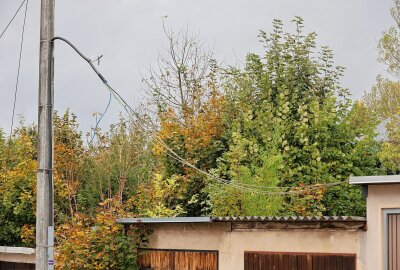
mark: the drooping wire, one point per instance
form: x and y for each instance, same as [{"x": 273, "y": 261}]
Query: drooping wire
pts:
[
  {"x": 15, "y": 14},
  {"x": 245, "y": 187},
  {"x": 99, "y": 120},
  {"x": 170, "y": 152},
  {"x": 259, "y": 189},
  {"x": 19, "y": 69}
]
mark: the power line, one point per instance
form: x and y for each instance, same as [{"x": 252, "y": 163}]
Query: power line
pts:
[
  {"x": 17, "y": 81},
  {"x": 170, "y": 152},
  {"x": 258, "y": 189},
  {"x": 244, "y": 187},
  {"x": 19, "y": 68},
  {"x": 9, "y": 23}
]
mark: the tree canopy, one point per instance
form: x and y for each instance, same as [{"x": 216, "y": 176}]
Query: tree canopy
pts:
[{"x": 384, "y": 97}]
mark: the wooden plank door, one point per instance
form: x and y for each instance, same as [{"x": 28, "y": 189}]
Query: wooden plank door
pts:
[
  {"x": 16, "y": 266},
  {"x": 298, "y": 261},
  {"x": 164, "y": 259},
  {"x": 393, "y": 241}
]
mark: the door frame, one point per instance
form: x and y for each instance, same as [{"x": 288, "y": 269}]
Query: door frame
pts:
[{"x": 386, "y": 213}]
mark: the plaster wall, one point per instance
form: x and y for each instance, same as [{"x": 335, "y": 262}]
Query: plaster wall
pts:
[
  {"x": 380, "y": 197},
  {"x": 232, "y": 244},
  {"x": 18, "y": 258},
  {"x": 17, "y": 254}
]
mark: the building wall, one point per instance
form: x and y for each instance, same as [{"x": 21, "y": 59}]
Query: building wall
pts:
[
  {"x": 17, "y": 254},
  {"x": 380, "y": 197},
  {"x": 232, "y": 244}
]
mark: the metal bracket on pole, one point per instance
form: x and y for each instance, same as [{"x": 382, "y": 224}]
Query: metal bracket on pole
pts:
[{"x": 50, "y": 248}]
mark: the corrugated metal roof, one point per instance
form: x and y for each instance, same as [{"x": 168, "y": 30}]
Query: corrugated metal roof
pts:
[
  {"x": 290, "y": 218},
  {"x": 374, "y": 180},
  {"x": 164, "y": 220},
  {"x": 241, "y": 219}
]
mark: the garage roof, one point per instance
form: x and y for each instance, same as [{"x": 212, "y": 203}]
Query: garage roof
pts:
[
  {"x": 241, "y": 219},
  {"x": 374, "y": 180}
]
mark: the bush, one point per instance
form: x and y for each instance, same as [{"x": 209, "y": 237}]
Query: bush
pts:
[{"x": 99, "y": 242}]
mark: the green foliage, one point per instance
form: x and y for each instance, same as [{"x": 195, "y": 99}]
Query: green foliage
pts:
[
  {"x": 99, "y": 242},
  {"x": 68, "y": 154},
  {"x": 196, "y": 139},
  {"x": 17, "y": 184},
  {"x": 289, "y": 103},
  {"x": 122, "y": 158},
  {"x": 390, "y": 150},
  {"x": 228, "y": 200},
  {"x": 159, "y": 197},
  {"x": 389, "y": 44},
  {"x": 115, "y": 165},
  {"x": 384, "y": 97}
]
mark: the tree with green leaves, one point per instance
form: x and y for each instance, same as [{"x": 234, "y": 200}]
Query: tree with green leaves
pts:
[
  {"x": 290, "y": 123},
  {"x": 115, "y": 164},
  {"x": 17, "y": 184},
  {"x": 384, "y": 97}
]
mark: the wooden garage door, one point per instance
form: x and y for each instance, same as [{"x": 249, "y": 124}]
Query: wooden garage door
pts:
[
  {"x": 298, "y": 261},
  {"x": 16, "y": 266},
  {"x": 165, "y": 259},
  {"x": 393, "y": 241}
]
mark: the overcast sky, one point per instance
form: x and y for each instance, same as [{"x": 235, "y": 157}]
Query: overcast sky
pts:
[{"x": 129, "y": 34}]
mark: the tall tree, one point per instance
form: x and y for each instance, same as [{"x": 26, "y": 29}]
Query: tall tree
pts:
[
  {"x": 180, "y": 79},
  {"x": 183, "y": 87},
  {"x": 384, "y": 97},
  {"x": 290, "y": 115},
  {"x": 389, "y": 44}
]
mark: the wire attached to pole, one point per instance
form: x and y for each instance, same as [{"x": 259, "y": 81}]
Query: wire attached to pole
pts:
[{"x": 90, "y": 62}]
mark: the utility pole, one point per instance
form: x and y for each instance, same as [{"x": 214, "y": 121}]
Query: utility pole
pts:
[{"x": 44, "y": 197}]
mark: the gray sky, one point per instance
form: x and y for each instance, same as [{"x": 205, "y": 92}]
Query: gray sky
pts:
[{"x": 129, "y": 34}]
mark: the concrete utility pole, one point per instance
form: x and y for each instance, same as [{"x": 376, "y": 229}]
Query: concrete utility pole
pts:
[{"x": 44, "y": 197}]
